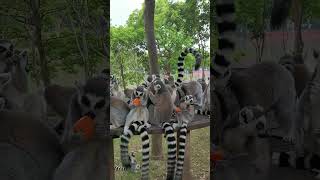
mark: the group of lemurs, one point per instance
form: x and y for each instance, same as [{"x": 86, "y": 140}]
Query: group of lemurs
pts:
[
  {"x": 153, "y": 103},
  {"x": 267, "y": 100},
  {"x": 159, "y": 102}
]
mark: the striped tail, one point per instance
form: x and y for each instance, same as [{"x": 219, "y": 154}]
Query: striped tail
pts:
[
  {"x": 124, "y": 142},
  {"x": 182, "y": 145},
  {"x": 202, "y": 112},
  {"x": 145, "y": 151},
  {"x": 171, "y": 141},
  {"x": 310, "y": 162},
  {"x": 220, "y": 68},
  {"x": 120, "y": 168},
  {"x": 181, "y": 58}
]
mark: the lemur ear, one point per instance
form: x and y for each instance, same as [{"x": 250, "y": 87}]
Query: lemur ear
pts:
[{"x": 78, "y": 85}]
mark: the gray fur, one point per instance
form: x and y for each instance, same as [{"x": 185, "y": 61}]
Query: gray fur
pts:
[
  {"x": 94, "y": 91},
  {"x": 139, "y": 113},
  {"x": 162, "y": 101},
  {"x": 29, "y": 150},
  {"x": 88, "y": 158},
  {"x": 118, "y": 112}
]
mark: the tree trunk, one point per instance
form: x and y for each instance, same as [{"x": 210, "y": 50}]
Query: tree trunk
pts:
[
  {"x": 37, "y": 37},
  {"x": 151, "y": 40},
  {"x": 297, "y": 19},
  {"x": 156, "y": 149},
  {"x": 122, "y": 73}
]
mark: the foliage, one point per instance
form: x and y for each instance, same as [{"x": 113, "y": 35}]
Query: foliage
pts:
[
  {"x": 177, "y": 26},
  {"x": 58, "y": 36}
]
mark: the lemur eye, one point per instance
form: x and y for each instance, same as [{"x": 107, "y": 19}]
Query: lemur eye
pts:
[
  {"x": 85, "y": 100},
  {"x": 100, "y": 104}
]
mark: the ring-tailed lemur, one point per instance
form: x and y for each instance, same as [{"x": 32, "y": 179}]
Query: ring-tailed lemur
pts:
[
  {"x": 140, "y": 127},
  {"x": 90, "y": 99},
  {"x": 181, "y": 63},
  {"x": 162, "y": 111},
  {"x": 205, "y": 108},
  {"x": 193, "y": 87},
  {"x": 290, "y": 159},
  {"x": 134, "y": 166},
  {"x": 251, "y": 86},
  {"x": 115, "y": 89},
  {"x": 184, "y": 116},
  {"x": 138, "y": 113}
]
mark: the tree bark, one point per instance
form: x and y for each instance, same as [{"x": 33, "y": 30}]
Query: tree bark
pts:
[
  {"x": 156, "y": 148},
  {"x": 151, "y": 40},
  {"x": 37, "y": 37},
  {"x": 297, "y": 19}
]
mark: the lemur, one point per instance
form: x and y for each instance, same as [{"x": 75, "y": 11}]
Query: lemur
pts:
[
  {"x": 193, "y": 88},
  {"x": 251, "y": 86},
  {"x": 138, "y": 113},
  {"x": 89, "y": 100},
  {"x": 183, "y": 116},
  {"x": 308, "y": 111},
  {"x": 162, "y": 111},
  {"x": 205, "y": 108},
  {"x": 267, "y": 84},
  {"x": 140, "y": 127},
  {"x": 114, "y": 88}
]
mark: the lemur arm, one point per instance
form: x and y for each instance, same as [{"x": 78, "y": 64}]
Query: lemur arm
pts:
[{"x": 152, "y": 97}]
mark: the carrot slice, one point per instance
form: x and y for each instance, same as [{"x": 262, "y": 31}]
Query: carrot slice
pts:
[{"x": 86, "y": 126}]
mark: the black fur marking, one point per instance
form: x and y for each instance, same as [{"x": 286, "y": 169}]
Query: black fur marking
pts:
[
  {"x": 225, "y": 44},
  {"x": 300, "y": 163},
  {"x": 226, "y": 26},
  {"x": 315, "y": 161},
  {"x": 284, "y": 160},
  {"x": 221, "y": 61},
  {"x": 222, "y": 9}
]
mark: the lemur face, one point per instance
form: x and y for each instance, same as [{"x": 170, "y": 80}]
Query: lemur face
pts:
[
  {"x": 92, "y": 104},
  {"x": 188, "y": 99},
  {"x": 157, "y": 87},
  {"x": 138, "y": 93},
  {"x": 113, "y": 81}
]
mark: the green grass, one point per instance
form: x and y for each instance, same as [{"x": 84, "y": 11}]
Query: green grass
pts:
[{"x": 199, "y": 157}]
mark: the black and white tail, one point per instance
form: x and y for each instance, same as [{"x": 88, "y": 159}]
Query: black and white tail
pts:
[
  {"x": 181, "y": 58},
  {"x": 124, "y": 142},
  {"x": 181, "y": 152},
  {"x": 310, "y": 162},
  {"x": 145, "y": 151},
  {"x": 220, "y": 67},
  {"x": 133, "y": 163},
  {"x": 202, "y": 112},
  {"x": 171, "y": 141}
]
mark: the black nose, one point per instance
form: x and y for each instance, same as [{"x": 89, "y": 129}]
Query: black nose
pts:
[
  {"x": 91, "y": 114},
  {"x": 260, "y": 126}
]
